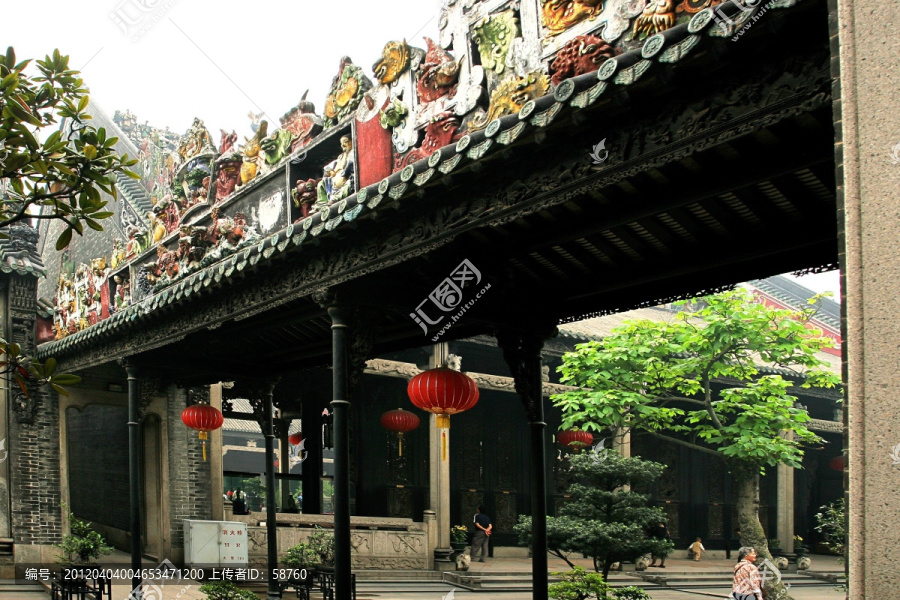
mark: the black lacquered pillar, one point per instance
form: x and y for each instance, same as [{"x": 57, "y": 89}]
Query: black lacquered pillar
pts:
[
  {"x": 522, "y": 352},
  {"x": 134, "y": 474},
  {"x": 341, "y": 408},
  {"x": 274, "y": 591}
]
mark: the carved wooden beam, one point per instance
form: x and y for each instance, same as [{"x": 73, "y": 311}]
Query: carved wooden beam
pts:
[{"x": 394, "y": 368}]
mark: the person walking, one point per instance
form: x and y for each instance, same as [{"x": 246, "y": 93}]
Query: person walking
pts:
[
  {"x": 659, "y": 532},
  {"x": 747, "y": 580},
  {"x": 482, "y": 535}
]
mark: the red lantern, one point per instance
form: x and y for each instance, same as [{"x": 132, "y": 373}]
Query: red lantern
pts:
[
  {"x": 575, "y": 438},
  {"x": 401, "y": 421},
  {"x": 837, "y": 463},
  {"x": 203, "y": 418},
  {"x": 295, "y": 438},
  {"x": 444, "y": 392}
]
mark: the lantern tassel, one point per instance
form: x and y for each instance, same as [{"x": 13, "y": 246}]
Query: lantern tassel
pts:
[
  {"x": 443, "y": 446},
  {"x": 401, "y": 444},
  {"x": 203, "y": 437}
]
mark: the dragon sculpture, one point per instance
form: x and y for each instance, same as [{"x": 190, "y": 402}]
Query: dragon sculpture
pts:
[
  {"x": 440, "y": 132},
  {"x": 581, "y": 55},
  {"x": 393, "y": 62},
  {"x": 494, "y": 36},
  {"x": 439, "y": 74},
  {"x": 658, "y": 16},
  {"x": 510, "y": 96},
  {"x": 559, "y": 15}
]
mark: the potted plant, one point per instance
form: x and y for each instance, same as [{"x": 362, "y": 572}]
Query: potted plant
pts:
[
  {"x": 83, "y": 545},
  {"x": 800, "y": 548},
  {"x": 775, "y": 546},
  {"x": 301, "y": 558},
  {"x": 321, "y": 543},
  {"x": 459, "y": 537}
]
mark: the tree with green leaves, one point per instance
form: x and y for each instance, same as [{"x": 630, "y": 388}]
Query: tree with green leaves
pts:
[
  {"x": 61, "y": 177},
  {"x": 697, "y": 382},
  {"x": 604, "y": 518}
]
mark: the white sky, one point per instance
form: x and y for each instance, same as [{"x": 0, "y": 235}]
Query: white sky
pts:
[
  {"x": 212, "y": 60},
  {"x": 822, "y": 282}
]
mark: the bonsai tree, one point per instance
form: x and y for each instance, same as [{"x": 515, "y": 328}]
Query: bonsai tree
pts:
[
  {"x": 317, "y": 551},
  {"x": 322, "y": 544},
  {"x": 83, "y": 544},
  {"x": 699, "y": 376},
  {"x": 606, "y": 519}
]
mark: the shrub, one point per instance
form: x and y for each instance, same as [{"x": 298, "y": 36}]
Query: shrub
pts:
[
  {"x": 226, "y": 590},
  {"x": 318, "y": 549},
  {"x": 579, "y": 585},
  {"x": 83, "y": 544},
  {"x": 631, "y": 593}
]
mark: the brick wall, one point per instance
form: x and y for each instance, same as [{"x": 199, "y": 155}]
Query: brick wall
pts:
[
  {"x": 34, "y": 476},
  {"x": 190, "y": 491}
]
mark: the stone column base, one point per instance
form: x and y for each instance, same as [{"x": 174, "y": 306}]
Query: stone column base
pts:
[{"x": 443, "y": 559}]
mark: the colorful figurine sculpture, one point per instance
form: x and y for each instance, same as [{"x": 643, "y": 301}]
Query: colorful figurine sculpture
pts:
[
  {"x": 226, "y": 233},
  {"x": 580, "y": 55},
  {"x": 338, "y": 181},
  {"x": 304, "y": 196},
  {"x": 167, "y": 262},
  {"x": 196, "y": 141},
  {"x": 228, "y": 166},
  {"x": 157, "y": 225},
  {"x": 559, "y": 15},
  {"x": 442, "y": 131},
  {"x": 439, "y": 74},
  {"x": 393, "y": 62},
  {"x": 393, "y": 114},
  {"x": 251, "y": 153},
  {"x": 510, "y": 96},
  {"x": 274, "y": 148},
  {"x": 302, "y": 122},
  {"x": 658, "y": 16},
  {"x": 118, "y": 253},
  {"x": 229, "y": 173},
  {"x": 494, "y": 35},
  {"x": 122, "y": 295},
  {"x": 227, "y": 142},
  {"x": 191, "y": 247},
  {"x": 134, "y": 246},
  {"x": 346, "y": 92}
]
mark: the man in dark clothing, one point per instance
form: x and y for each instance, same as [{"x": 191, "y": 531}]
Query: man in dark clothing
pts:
[
  {"x": 482, "y": 534},
  {"x": 659, "y": 532}
]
